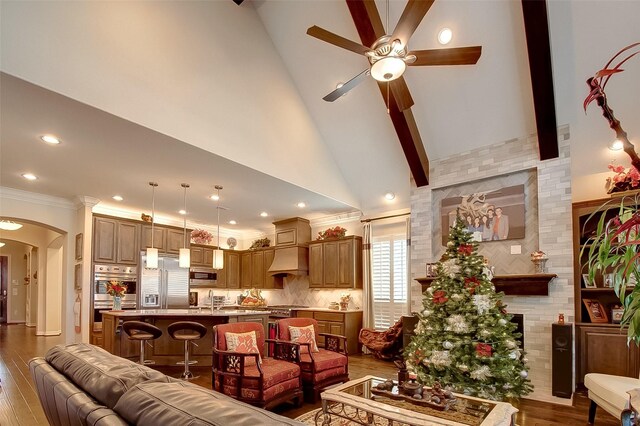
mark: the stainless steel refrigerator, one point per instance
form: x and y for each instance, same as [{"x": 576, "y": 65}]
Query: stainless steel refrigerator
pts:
[{"x": 166, "y": 287}]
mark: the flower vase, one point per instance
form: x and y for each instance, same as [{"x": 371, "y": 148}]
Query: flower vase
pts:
[
  {"x": 344, "y": 306},
  {"x": 117, "y": 303}
]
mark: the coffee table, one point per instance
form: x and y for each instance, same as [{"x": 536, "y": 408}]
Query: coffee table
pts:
[{"x": 355, "y": 402}]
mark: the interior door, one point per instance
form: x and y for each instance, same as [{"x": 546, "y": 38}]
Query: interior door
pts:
[{"x": 4, "y": 261}]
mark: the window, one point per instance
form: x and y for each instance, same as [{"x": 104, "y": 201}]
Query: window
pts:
[{"x": 389, "y": 279}]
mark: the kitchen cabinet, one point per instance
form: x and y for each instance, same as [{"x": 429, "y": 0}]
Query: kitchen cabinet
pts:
[
  {"x": 257, "y": 269},
  {"x": 336, "y": 263},
  {"x": 347, "y": 323},
  {"x": 104, "y": 239},
  {"x": 176, "y": 240},
  {"x": 271, "y": 281},
  {"x": 115, "y": 241},
  {"x": 231, "y": 269},
  {"x": 159, "y": 238},
  {"x": 245, "y": 269},
  {"x": 254, "y": 267},
  {"x": 202, "y": 256},
  {"x": 600, "y": 347}
]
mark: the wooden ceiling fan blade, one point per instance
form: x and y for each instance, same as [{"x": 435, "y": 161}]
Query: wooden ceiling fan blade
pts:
[
  {"x": 451, "y": 56},
  {"x": 336, "y": 40},
  {"x": 400, "y": 92},
  {"x": 411, "y": 17},
  {"x": 342, "y": 90}
]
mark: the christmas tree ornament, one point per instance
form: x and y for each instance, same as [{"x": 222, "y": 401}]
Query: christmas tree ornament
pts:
[
  {"x": 502, "y": 321},
  {"x": 447, "y": 344},
  {"x": 463, "y": 367},
  {"x": 457, "y": 324},
  {"x": 514, "y": 355},
  {"x": 524, "y": 374},
  {"x": 481, "y": 374},
  {"x": 457, "y": 297},
  {"x": 440, "y": 358},
  {"x": 482, "y": 303},
  {"x": 485, "y": 333},
  {"x": 511, "y": 344},
  {"x": 427, "y": 312}
]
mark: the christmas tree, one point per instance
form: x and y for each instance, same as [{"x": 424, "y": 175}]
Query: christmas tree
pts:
[{"x": 464, "y": 337}]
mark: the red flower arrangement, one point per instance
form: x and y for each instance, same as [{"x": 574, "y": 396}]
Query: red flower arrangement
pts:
[
  {"x": 483, "y": 349},
  {"x": 471, "y": 284},
  {"x": 200, "y": 236},
  {"x": 116, "y": 288},
  {"x": 623, "y": 180},
  {"x": 440, "y": 296},
  {"x": 337, "y": 232},
  {"x": 465, "y": 249}
]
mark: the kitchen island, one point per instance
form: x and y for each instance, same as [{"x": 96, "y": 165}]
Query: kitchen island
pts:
[{"x": 165, "y": 350}]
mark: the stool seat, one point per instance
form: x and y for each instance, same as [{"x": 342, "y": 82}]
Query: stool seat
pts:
[
  {"x": 142, "y": 332},
  {"x": 187, "y": 331}
]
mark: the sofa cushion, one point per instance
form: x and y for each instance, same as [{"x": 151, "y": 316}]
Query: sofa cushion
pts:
[
  {"x": 104, "y": 376},
  {"x": 321, "y": 376},
  {"x": 182, "y": 403},
  {"x": 324, "y": 360},
  {"x": 274, "y": 371},
  {"x": 304, "y": 335},
  {"x": 610, "y": 390}
]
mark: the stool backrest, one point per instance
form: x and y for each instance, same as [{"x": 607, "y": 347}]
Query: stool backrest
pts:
[{"x": 133, "y": 327}]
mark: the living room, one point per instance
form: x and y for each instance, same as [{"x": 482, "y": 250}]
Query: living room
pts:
[{"x": 224, "y": 94}]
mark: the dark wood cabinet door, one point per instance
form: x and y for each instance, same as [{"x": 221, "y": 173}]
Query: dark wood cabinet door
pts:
[
  {"x": 197, "y": 256},
  {"x": 208, "y": 257},
  {"x": 604, "y": 350},
  {"x": 159, "y": 238},
  {"x": 104, "y": 240},
  {"x": 257, "y": 269},
  {"x": 231, "y": 269},
  {"x": 330, "y": 263},
  {"x": 316, "y": 266},
  {"x": 346, "y": 264},
  {"x": 269, "y": 280},
  {"x": 128, "y": 251},
  {"x": 176, "y": 240},
  {"x": 245, "y": 270}
]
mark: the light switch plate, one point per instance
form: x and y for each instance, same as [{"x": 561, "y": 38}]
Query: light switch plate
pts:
[{"x": 516, "y": 249}]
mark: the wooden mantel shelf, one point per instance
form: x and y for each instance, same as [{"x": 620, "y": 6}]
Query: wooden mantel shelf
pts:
[{"x": 512, "y": 285}]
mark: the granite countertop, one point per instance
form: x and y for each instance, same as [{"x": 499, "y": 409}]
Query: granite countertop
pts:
[
  {"x": 325, "y": 310},
  {"x": 186, "y": 312}
]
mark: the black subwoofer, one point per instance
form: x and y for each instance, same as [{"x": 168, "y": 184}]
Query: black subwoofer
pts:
[{"x": 562, "y": 360}]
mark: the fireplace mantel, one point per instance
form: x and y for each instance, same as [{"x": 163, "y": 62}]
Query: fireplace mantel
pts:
[{"x": 512, "y": 285}]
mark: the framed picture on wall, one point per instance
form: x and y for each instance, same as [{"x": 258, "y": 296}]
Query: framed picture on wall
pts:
[
  {"x": 77, "y": 277},
  {"x": 79, "y": 246},
  {"x": 596, "y": 311},
  {"x": 607, "y": 280}
]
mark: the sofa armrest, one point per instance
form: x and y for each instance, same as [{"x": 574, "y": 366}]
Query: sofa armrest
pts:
[{"x": 332, "y": 343}]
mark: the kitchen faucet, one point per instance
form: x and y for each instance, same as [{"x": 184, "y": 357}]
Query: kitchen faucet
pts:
[{"x": 211, "y": 300}]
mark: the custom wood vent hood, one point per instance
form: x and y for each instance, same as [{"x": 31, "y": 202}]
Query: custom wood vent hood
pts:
[{"x": 292, "y": 253}]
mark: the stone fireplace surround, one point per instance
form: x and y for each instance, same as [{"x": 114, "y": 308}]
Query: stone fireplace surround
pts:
[{"x": 554, "y": 235}]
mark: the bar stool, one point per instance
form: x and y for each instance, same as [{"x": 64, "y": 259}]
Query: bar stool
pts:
[
  {"x": 143, "y": 332},
  {"x": 188, "y": 331}
]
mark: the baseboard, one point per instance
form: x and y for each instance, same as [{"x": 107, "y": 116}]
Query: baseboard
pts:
[
  {"x": 15, "y": 322},
  {"x": 30, "y": 325},
  {"x": 52, "y": 333}
]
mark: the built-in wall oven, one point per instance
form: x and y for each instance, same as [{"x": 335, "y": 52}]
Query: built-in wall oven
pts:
[{"x": 102, "y": 301}]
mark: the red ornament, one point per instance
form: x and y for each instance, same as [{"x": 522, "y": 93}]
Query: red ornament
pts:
[
  {"x": 483, "y": 349},
  {"x": 439, "y": 297},
  {"x": 465, "y": 249},
  {"x": 471, "y": 284}
]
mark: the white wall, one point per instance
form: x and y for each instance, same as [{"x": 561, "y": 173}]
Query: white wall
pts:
[{"x": 54, "y": 287}]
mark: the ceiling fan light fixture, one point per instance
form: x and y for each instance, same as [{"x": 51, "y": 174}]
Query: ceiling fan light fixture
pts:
[
  {"x": 7, "y": 225},
  {"x": 616, "y": 145},
  {"x": 444, "y": 36},
  {"x": 388, "y": 69}
]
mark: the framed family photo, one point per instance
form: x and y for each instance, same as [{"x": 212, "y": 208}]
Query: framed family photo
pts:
[
  {"x": 79, "y": 246},
  {"x": 587, "y": 282}
]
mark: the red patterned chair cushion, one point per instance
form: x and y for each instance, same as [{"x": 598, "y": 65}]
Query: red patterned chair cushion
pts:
[
  {"x": 324, "y": 360},
  {"x": 309, "y": 377},
  {"x": 274, "y": 372},
  {"x": 268, "y": 394}
]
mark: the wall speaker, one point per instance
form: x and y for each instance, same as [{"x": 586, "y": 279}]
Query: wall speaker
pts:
[{"x": 562, "y": 360}]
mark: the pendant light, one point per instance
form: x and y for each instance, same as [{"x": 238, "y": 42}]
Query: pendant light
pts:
[
  {"x": 184, "y": 260},
  {"x": 152, "y": 252},
  {"x": 218, "y": 254}
]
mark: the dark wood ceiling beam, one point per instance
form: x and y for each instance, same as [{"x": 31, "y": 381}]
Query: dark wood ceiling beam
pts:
[
  {"x": 536, "y": 28},
  {"x": 369, "y": 25}
]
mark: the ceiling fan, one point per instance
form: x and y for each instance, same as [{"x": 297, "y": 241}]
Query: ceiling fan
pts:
[{"x": 389, "y": 54}]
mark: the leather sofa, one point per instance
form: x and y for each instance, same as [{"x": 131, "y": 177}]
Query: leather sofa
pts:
[{"x": 81, "y": 384}]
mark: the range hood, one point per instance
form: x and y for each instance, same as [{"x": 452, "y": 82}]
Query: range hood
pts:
[
  {"x": 291, "y": 254},
  {"x": 290, "y": 261}
]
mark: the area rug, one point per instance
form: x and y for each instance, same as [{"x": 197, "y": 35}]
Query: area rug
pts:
[{"x": 310, "y": 419}]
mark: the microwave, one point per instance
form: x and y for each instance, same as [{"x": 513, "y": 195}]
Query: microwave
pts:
[{"x": 202, "y": 277}]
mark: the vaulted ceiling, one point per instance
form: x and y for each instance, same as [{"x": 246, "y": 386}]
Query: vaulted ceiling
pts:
[{"x": 246, "y": 82}]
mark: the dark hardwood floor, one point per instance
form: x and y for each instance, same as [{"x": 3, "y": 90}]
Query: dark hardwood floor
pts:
[{"x": 19, "y": 403}]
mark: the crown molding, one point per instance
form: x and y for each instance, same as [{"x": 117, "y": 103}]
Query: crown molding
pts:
[
  {"x": 36, "y": 198},
  {"x": 336, "y": 219},
  {"x": 86, "y": 201}
]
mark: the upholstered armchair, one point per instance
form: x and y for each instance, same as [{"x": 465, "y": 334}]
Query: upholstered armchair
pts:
[
  {"x": 385, "y": 344},
  {"x": 617, "y": 395},
  {"x": 241, "y": 371},
  {"x": 320, "y": 367}
]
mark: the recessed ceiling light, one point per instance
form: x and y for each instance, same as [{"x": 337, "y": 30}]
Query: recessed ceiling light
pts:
[
  {"x": 301, "y": 205},
  {"x": 264, "y": 214},
  {"x": 1, "y": 244},
  {"x": 616, "y": 145},
  {"x": 445, "y": 35},
  {"x": 29, "y": 176},
  {"x": 233, "y": 222},
  {"x": 215, "y": 197},
  {"x": 117, "y": 197},
  {"x": 389, "y": 196},
  {"x": 182, "y": 212},
  {"x": 50, "y": 139},
  {"x": 7, "y": 225}
]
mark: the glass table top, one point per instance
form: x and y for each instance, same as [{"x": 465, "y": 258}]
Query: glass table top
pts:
[{"x": 463, "y": 410}]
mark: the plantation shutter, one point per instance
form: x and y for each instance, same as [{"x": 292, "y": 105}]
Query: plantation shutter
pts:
[{"x": 389, "y": 280}]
